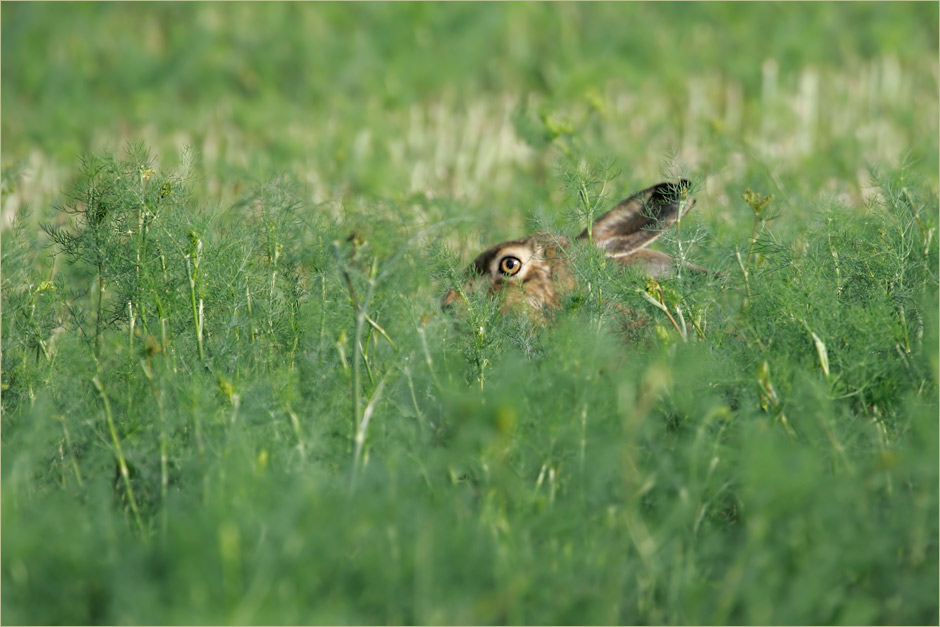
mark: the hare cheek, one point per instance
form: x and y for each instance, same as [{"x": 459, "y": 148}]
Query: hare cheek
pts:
[
  {"x": 455, "y": 300},
  {"x": 449, "y": 299},
  {"x": 501, "y": 287},
  {"x": 506, "y": 289},
  {"x": 512, "y": 296},
  {"x": 522, "y": 294}
]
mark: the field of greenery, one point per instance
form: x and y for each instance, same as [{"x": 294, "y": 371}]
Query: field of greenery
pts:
[{"x": 229, "y": 394}]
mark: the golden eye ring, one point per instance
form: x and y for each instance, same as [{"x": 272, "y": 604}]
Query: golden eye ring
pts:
[{"x": 510, "y": 265}]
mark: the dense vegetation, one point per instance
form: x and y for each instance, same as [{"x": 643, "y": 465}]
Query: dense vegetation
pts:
[{"x": 229, "y": 394}]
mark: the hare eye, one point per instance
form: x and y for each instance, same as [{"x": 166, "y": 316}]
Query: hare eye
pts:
[{"x": 509, "y": 265}]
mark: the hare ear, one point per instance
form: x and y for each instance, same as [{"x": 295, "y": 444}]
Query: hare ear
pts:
[{"x": 641, "y": 218}]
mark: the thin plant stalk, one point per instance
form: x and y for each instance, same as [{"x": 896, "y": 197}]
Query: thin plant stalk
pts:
[
  {"x": 682, "y": 202},
  {"x": 99, "y": 310},
  {"x": 119, "y": 453},
  {"x": 164, "y": 447},
  {"x": 192, "y": 267},
  {"x": 362, "y": 428}
]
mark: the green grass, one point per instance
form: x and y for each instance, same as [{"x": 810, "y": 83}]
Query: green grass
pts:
[{"x": 229, "y": 394}]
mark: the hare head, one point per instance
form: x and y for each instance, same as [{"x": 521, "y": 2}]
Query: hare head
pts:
[{"x": 534, "y": 271}]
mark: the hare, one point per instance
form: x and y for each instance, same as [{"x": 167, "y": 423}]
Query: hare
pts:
[{"x": 534, "y": 271}]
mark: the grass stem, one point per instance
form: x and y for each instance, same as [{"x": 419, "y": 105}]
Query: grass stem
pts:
[{"x": 119, "y": 453}]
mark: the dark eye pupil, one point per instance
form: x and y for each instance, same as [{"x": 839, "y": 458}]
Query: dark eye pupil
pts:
[{"x": 509, "y": 265}]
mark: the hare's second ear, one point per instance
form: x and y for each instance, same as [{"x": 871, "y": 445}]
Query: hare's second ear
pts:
[{"x": 641, "y": 218}]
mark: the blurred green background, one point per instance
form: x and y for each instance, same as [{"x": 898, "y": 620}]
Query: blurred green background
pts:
[
  {"x": 777, "y": 463},
  {"x": 399, "y": 98}
]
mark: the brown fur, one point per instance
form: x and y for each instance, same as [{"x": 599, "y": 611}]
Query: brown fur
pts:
[{"x": 544, "y": 273}]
